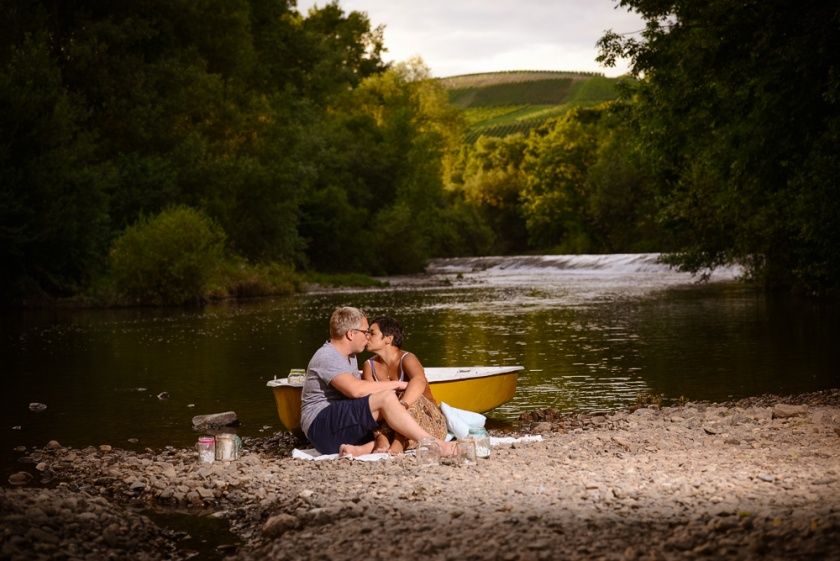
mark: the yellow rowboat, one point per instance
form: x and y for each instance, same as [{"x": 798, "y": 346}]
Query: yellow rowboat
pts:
[{"x": 477, "y": 388}]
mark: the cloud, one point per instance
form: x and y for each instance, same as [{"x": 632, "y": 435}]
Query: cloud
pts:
[{"x": 466, "y": 36}]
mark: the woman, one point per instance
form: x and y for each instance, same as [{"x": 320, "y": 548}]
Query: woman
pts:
[{"x": 390, "y": 362}]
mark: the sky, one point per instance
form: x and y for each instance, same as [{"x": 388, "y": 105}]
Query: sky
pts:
[{"x": 469, "y": 36}]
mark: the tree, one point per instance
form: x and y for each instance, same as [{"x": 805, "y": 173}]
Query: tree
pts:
[
  {"x": 493, "y": 179},
  {"x": 53, "y": 204},
  {"x": 738, "y": 112},
  {"x": 621, "y": 202},
  {"x": 557, "y": 162},
  {"x": 396, "y": 129}
]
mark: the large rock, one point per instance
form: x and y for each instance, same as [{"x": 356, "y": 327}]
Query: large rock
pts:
[
  {"x": 784, "y": 411},
  {"x": 225, "y": 419},
  {"x": 278, "y": 525}
]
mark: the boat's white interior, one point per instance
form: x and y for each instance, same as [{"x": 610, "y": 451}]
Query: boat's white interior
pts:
[{"x": 433, "y": 374}]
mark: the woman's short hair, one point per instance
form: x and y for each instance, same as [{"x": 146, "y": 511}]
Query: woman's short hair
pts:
[
  {"x": 344, "y": 319},
  {"x": 390, "y": 326}
]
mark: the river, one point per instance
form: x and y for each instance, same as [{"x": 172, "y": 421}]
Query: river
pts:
[{"x": 593, "y": 332}]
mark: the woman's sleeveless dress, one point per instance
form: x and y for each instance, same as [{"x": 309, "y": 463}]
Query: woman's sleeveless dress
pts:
[{"x": 424, "y": 411}]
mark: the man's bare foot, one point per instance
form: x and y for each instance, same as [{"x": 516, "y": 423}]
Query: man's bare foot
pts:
[{"x": 351, "y": 451}]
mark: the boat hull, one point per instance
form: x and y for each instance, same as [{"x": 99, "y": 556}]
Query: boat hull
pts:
[{"x": 477, "y": 389}]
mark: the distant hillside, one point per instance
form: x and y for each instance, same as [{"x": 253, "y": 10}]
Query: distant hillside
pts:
[{"x": 503, "y": 103}]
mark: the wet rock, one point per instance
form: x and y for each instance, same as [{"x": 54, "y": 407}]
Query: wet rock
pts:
[
  {"x": 278, "y": 525},
  {"x": 785, "y": 411},
  {"x": 20, "y": 478},
  {"x": 136, "y": 486},
  {"x": 541, "y": 428},
  {"x": 225, "y": 419},
  {"x": 53, "y": 445}
]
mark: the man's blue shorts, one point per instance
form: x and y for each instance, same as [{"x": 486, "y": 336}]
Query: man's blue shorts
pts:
[{"x": 348, "y": 421}]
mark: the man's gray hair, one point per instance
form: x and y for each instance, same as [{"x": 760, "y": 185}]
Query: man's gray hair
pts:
[{"x": 344, "y": 319}]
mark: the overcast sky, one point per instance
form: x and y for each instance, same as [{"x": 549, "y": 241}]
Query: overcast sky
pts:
[{"x": 467, "y": 36}]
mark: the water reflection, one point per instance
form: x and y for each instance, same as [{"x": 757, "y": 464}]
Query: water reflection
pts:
[{"x": 590, "y": 338}]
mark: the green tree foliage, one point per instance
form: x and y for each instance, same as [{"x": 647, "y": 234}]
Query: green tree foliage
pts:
[
  {"x": 341, "y": 49},
  {"x": 576, "y": 184},
  {"x": 380, "y": 204},
  {"x": 737, "y": 105},
  {"x": 556, "y": 196},
  {"x": 168, "y": 259},
  {"x": 621, "y": 205},
  {"x": 53, "y": 207},
  {"x": 494, "y": 181},
  {"x": 112, "y": 111}
]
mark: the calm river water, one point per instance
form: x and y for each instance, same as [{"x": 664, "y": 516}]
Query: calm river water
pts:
[{"x": 591, "y": 331}]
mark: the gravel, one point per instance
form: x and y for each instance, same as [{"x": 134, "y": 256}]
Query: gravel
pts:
[{"x": 753, "y": 479}]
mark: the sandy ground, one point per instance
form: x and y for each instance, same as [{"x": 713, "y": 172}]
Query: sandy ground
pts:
[{"x": 754, "y": 479}]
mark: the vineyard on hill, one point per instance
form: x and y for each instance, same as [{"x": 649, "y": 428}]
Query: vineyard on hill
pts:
[{"x": 504, "y": 103}]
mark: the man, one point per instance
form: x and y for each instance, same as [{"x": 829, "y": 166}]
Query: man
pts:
[{"x": 339, "y": 410}]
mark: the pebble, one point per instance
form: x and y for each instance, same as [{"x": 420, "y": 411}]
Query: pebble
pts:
[
  {"x": 37, "y": 407},
  {"x": 659, "y": 489},
  {"x": 20, "y": 478}
]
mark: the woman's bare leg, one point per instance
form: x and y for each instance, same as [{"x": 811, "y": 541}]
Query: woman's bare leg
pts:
[
  {"x": 380, "y": 443},
  {"x": 398, "y": 445},
  {"x": 386, "y": 405}
]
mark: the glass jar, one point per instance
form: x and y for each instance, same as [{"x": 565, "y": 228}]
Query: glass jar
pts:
[
  {"x": 427, "y": 452},
  {"x": 296, "y": 376},
  {"x": 466, "y": 452},
  {"x": 482, "y": 441},
  {"x": 206, "y": 449},
  {"x": 228, "y": 447}
]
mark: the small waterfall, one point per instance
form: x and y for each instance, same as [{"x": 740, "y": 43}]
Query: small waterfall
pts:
[
  {"x": 620, "y": 263},
  {"x": 571, "y": 277}
]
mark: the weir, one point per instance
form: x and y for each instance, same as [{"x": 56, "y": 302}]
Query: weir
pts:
[{"x": 617, "y": 264}]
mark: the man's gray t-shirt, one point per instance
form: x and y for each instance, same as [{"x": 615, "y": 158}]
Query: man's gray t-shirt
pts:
[{"x": 317, "y": 394}]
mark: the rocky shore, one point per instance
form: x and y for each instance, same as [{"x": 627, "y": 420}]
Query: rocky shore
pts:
[{"x": 754, "y": 479}]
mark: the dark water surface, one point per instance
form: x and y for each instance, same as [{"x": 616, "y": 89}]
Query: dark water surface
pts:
[{"x": 591, "y": 332}]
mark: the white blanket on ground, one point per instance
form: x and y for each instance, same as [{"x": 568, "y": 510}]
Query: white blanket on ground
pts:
[{"x": 313, "y": 454}]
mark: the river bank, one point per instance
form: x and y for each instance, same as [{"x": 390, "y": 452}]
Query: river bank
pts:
[{"x": 754, "y": 479}]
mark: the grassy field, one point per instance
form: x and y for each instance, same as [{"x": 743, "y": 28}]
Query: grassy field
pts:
[{"x": 503, "y": 103}]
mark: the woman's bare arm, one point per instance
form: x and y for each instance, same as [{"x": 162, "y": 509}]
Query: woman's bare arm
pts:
[{"x": 416, "y": 376}]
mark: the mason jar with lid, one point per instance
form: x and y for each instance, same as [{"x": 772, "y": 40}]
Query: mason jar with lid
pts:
[
  {"x": 206, "y": 449},
  {"x": 482, "y": 441}
]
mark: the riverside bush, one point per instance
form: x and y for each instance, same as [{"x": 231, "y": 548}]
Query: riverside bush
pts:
[
  {"x": 237, "y": 278},
  {"x": 167, "y": 259}
]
